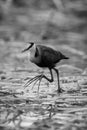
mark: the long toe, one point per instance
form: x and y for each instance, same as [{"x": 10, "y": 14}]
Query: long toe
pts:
[{"x": 37, "y": 78}]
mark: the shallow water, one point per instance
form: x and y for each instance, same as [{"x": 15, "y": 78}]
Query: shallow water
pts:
[{"x": 44, "y": 109}]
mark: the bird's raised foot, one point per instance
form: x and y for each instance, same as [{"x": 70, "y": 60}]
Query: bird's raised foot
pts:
[{"x": 29, "y": 82}]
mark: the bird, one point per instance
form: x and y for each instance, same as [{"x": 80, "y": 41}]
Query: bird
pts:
[{"x": 44, "y": 57}]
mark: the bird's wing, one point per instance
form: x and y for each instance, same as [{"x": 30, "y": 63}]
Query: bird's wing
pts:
[{"x": 48, "y": 54}]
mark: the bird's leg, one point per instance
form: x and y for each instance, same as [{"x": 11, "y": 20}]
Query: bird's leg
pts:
[
  {"x": 39, "y": 78},
  {"x": 50, "y": 80},
  {"x": 59, "y": 89},
  {"x": 43, "y": 76}
]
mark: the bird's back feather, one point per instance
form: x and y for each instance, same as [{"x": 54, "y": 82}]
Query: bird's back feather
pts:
[{"x": 49, "y": 57}]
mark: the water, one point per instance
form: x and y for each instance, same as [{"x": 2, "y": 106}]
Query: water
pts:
[{"x": 44, "y": 109}]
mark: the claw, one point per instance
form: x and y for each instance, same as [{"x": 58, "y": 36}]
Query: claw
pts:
[{"x": 60, "y": 90}]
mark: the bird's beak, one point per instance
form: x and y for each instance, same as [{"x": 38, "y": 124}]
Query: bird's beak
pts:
[{"x": 26, "y": 49}]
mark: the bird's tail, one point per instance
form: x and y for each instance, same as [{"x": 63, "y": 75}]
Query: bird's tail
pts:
[{"x": 64, "y": 57}]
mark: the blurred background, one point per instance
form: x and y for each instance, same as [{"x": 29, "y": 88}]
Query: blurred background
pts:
[{"x": 55, "y": 22}]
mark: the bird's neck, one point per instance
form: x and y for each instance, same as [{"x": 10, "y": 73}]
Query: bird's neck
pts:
[
  {"x": 34, "y": 57},
  {"x": 32, "y": 51},
  {"x": 33, "y": 48}
]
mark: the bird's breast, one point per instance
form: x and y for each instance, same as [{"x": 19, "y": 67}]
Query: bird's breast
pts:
[{"x": 34, "y": 59}]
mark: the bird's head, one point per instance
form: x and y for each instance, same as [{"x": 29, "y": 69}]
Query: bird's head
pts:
[{"x": 31, "y": 44}]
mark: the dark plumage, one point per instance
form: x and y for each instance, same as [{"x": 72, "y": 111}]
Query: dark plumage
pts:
[
  {"x": 44, "y": 56},
  {"x": 49, "y": 57}
]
